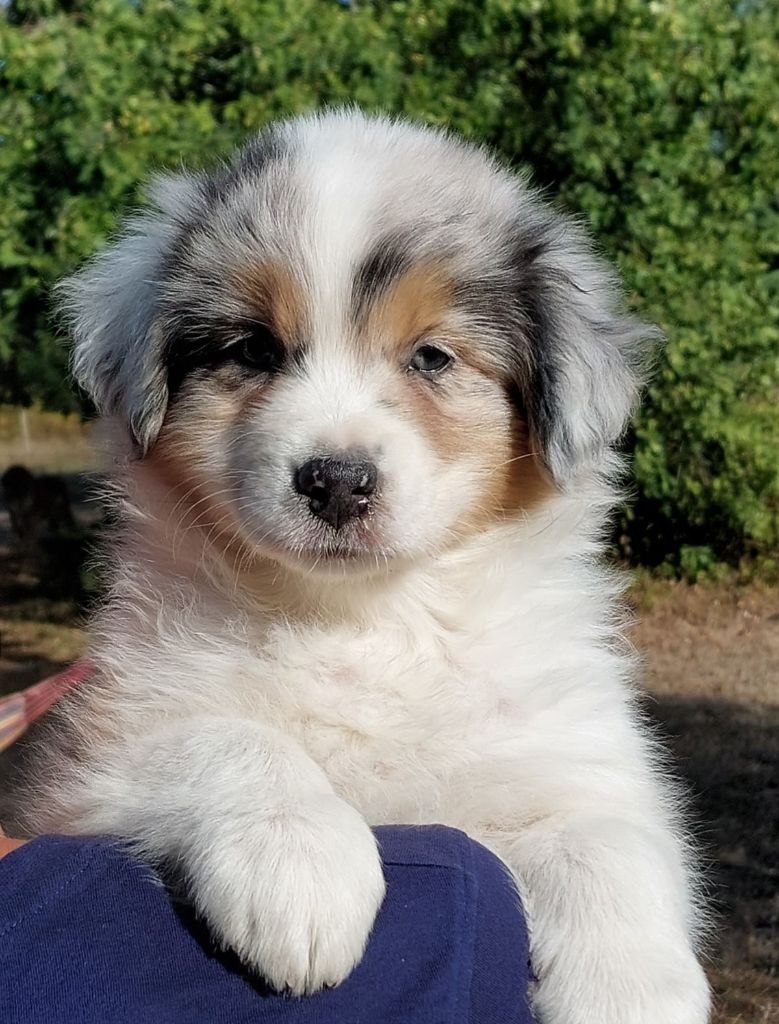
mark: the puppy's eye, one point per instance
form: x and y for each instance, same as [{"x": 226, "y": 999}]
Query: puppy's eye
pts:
[
  {"x": 429, "y": 359},
  {"x": 259, "y": 349}
]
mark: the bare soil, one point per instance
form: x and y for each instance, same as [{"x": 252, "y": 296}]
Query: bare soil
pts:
[{"x": 712, "y": 669}]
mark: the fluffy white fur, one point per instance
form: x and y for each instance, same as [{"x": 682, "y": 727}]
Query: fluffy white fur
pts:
[{"x": 255, "y": 715}]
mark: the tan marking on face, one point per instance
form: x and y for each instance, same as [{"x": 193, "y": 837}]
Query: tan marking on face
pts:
[
  {"x": 277, "y": 297},
  {"x": 514, "y": 481},
  {"x": 440, "y": 412},
  {"x": 415, "y": 305},
  {"x": 177, "y": 463},
  {"x": 468, "y": 416},
  {"x": 519, "y": 481}
]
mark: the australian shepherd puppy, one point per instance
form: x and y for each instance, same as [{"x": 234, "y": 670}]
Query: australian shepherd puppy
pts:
[{"x": 365, "y": 387}]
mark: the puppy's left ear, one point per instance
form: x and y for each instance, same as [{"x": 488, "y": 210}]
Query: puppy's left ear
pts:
[
  {"x": 587, "y": 358},
  {"x": 111, "y": 308}
]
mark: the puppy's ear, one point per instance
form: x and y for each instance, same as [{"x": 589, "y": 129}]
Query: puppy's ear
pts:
[
  {"x": 111, "y": 307},
  {"x": 587, "y": 357}
]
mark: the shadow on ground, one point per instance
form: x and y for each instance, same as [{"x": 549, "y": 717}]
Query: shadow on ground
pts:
[{"x": 729, "y": 752}]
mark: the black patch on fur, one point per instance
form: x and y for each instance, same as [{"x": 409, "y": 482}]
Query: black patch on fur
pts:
[
  {"x": 251, "y": 161},
  {"x": 216, "y": 189},
  {"x": 386, "y": 263},
  {"x": 517, "y": 299},
  {"x": 265, "y": 148},
  {"x": 535, "y": 355},
  {"x": 490, "y": 300},
  {"x": 192, "y": 346}
]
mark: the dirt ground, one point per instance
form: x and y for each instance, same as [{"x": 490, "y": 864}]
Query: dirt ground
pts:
[
  {"x": 712, "y": 674},
  {"x": 712, "y": 669}
]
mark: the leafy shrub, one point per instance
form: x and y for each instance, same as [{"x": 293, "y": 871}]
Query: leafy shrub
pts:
[{"x": 657, "y": 120}]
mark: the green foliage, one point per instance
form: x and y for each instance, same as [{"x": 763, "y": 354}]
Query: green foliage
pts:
[{"x": 657, "y": 120}]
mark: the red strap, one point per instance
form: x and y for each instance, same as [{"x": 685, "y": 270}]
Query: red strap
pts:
[
  {"x": 40, "y": 697},
  {"x": 19, "y": 710}
]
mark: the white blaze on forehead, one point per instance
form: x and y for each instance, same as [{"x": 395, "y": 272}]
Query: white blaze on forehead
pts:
[
  {"x": 361, "y": 179},
  {"x": 341, "y": 192}
]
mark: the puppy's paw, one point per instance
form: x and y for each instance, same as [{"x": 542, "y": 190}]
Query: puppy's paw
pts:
[
  {"x": 669, "y": 988},
  {"x": 296, "y": 894}
]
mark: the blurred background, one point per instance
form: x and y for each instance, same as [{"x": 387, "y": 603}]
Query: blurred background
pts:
[{"x": 657, "y": 121}]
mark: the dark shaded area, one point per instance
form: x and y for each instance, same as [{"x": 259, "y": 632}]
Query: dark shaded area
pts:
[
  {"x": 30, "y": 670},
  {"x": 650, "y": 534},
  {"x": 49, "y": 526},
  {"x": 729, "y": 753},
  {"x": 199, "y": 931},
  {"x": 45, "y": 540}
]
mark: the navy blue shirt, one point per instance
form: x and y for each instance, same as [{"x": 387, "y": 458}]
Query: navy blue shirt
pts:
[{"x": 88, "y": 936}]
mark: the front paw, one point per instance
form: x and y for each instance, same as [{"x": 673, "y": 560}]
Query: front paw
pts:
[
  {"x": 295, "y": 895},
  {"x": 665, "y": 988}
]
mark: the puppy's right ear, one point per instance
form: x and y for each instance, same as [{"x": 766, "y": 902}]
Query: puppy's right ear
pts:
[{"x": 111, "y": 309}]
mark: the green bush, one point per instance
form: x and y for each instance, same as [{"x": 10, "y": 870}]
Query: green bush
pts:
[{"x": 657, "y": 120}]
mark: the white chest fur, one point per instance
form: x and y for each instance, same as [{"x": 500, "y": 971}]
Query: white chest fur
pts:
[{"x": 391, "y": 718}]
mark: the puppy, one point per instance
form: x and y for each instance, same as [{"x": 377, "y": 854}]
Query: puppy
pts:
[{"x": 364, "y": 388}]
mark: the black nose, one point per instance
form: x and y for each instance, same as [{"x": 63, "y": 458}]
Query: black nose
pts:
[{"x": 339, "y": 487}]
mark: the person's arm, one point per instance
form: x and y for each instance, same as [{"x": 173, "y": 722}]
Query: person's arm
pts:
[
  {"x": 6, "y": 844},
  {"x": 88, "y": 934}
]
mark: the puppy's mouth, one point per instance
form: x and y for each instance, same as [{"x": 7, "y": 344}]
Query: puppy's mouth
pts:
[
  {"x": 357, "y": 543},
  {"x": 329, "y": 555},
  {"x": 334, "y": 558},
  {"x": 309, "y": 544}
]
